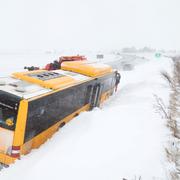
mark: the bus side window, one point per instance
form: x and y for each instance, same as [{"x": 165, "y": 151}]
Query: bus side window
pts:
[{"x": 48, "y": 110}]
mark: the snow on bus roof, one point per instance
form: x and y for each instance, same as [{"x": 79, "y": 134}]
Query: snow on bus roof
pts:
[
  {"x": 51, "y": 79},
  {"x": 74, "y": 75},
  {"x": 21, "y": 88},
  {"x": 26, "y": 90}
]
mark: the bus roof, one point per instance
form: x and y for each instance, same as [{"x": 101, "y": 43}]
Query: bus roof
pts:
[
  {"x": 30, "y": 84},
  {"x": 34, "y": 83},
  {"x": 91, "y": 69}
]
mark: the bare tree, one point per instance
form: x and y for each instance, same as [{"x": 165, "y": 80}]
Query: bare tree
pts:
[{"x": 172, "y": 115}]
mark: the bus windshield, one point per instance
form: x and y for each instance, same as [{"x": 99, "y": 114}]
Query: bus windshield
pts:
[{"x": 7, "y": 118}]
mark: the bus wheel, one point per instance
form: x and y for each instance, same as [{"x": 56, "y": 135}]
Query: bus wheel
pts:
[
  {"x": 77, "y": 114},
  {"x": 62, "y": 124}
]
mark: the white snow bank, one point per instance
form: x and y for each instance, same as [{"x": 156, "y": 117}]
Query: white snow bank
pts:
[{"x": 122, "y": 139}]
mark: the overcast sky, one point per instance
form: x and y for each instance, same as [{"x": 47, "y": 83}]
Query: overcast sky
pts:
[{"x": 89, "y": 24}]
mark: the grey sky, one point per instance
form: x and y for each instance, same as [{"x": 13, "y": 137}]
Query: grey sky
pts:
[{"x": 89, "y": 24}]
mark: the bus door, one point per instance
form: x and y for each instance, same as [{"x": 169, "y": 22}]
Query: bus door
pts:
[
  {"x": 8, "y": 114},
  {"x": 95, "y": 97},
  {"x": 7, "y": 126}
]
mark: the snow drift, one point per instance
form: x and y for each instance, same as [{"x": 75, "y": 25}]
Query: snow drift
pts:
[{"x": 122, "y": 139}]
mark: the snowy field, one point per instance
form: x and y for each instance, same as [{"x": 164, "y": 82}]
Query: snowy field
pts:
[{"x": 122, "y": 139}]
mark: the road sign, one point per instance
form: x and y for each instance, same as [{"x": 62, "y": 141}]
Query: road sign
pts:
[{"x": 158, "y": 55}]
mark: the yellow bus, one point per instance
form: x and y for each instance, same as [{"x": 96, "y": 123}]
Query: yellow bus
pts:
[{"x": 35, "y": 104}]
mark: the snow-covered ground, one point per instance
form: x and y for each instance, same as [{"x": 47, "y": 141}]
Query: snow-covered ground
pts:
[{"x": 122, "y": 139}]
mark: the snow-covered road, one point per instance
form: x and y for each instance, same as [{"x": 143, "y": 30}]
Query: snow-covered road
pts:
[{"x": 122, "y": 139}]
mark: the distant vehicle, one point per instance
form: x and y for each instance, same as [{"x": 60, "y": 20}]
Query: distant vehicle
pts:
[
  {"x": 99, "y": 56},
  {"x": 128, "y": 67},
  {"x": 35, "y": 104}
]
